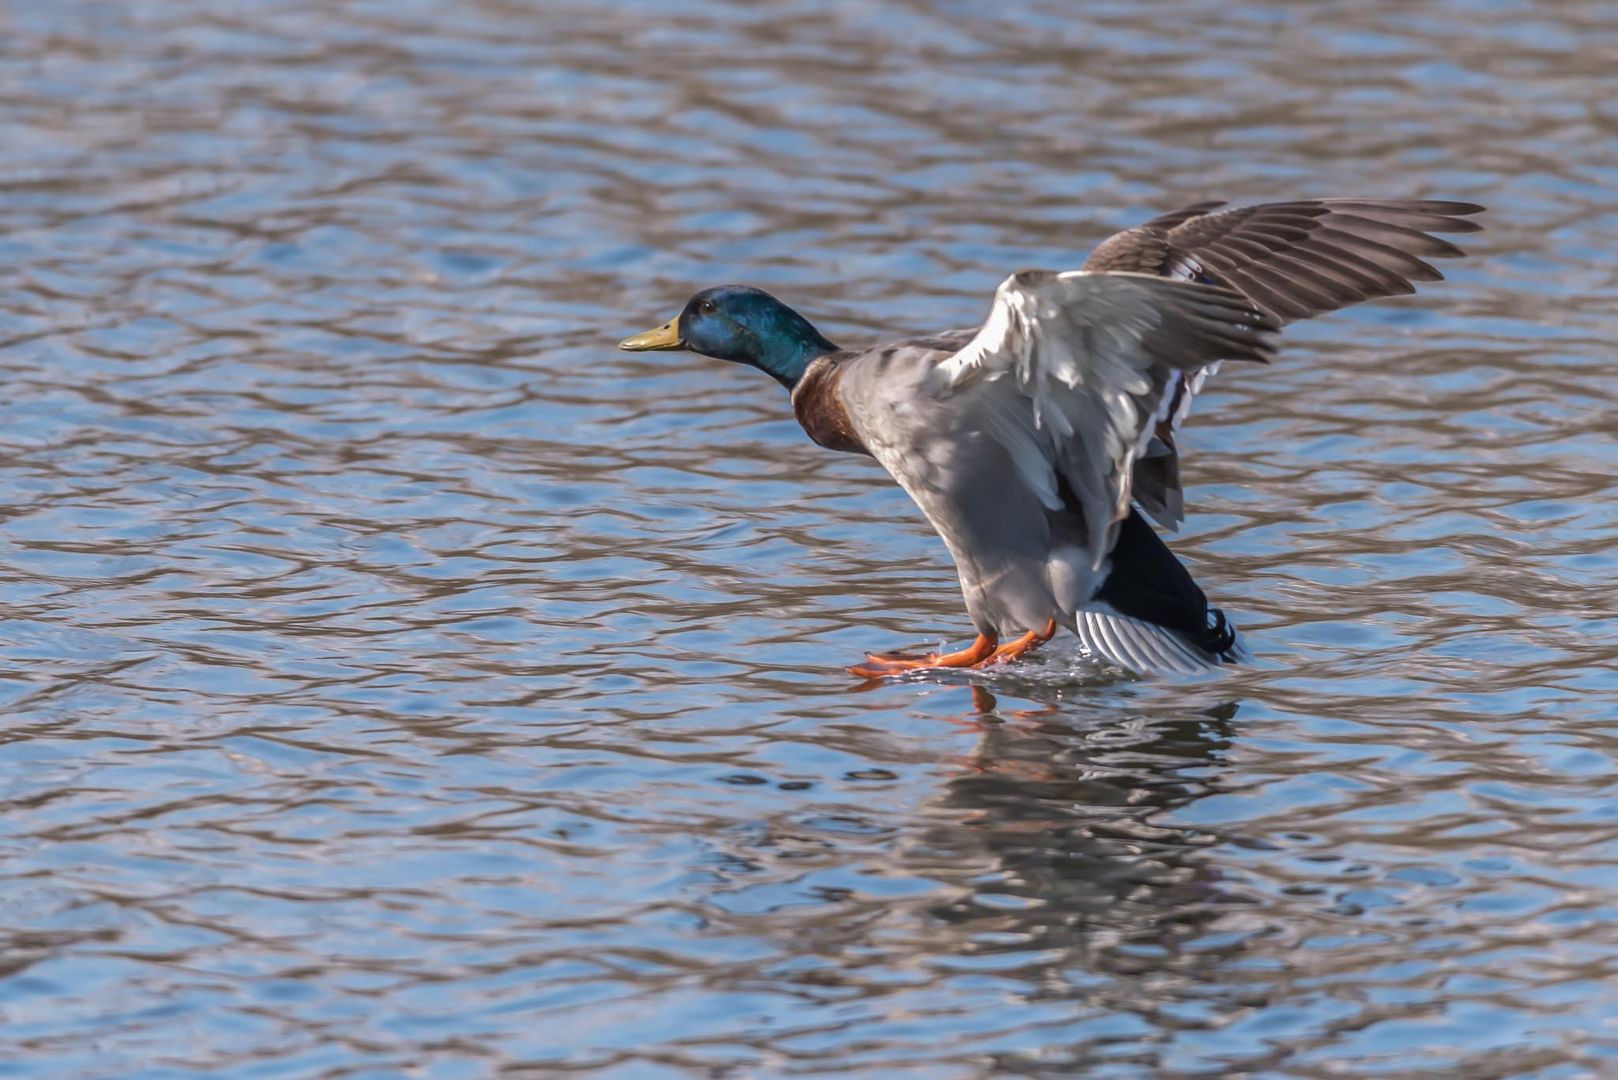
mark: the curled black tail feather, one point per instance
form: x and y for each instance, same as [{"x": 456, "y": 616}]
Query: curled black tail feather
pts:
[{"x": 1220, "y": 636}]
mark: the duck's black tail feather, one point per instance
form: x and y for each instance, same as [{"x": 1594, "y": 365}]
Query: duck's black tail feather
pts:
[{"x": 1150, "y": 616}]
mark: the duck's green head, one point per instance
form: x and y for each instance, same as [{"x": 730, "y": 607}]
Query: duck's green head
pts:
[{"x": 743, "y": 325}]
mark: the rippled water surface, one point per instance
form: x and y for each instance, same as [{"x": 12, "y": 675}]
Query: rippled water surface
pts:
[{"x": 398, "y": 680}]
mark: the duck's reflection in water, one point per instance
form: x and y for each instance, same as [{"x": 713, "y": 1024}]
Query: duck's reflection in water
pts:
[
  {"x": 1055, "y": 866},
  {"x": 1066, "y": 823}
]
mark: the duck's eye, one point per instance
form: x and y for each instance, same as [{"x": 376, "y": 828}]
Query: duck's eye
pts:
[{"x": 705, "y": 307}]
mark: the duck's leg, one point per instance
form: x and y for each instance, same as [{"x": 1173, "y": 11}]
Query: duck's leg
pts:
[
  {"x": 1025, "y": 644},
  {"x": 971, "y": 656}
]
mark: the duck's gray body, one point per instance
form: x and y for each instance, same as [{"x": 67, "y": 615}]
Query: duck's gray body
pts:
[{"x": 1020, "y": 562}]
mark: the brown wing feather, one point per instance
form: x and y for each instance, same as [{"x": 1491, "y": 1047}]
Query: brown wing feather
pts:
[{"x": 1295, "y": 259}]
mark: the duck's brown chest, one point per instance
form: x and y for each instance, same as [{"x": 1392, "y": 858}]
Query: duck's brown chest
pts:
[{"x": 820, "y": 409}]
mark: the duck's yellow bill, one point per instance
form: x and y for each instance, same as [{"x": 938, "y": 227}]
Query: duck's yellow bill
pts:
[{"x": 666, "y": 336}]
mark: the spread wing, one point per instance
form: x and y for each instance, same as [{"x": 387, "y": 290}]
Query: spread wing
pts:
[
  {"x": 1072, "y": 371},
  {"x": 1295, "y": 259}
]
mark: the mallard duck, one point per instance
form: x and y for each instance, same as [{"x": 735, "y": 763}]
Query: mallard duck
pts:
[{"x": 1039, "y": 444}]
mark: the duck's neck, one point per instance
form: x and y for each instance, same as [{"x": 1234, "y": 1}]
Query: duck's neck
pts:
[{"x": 786, "y": 356}]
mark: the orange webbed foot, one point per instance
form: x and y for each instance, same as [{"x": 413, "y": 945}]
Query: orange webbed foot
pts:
[
  {"x": 1025, "y": 644},
  {"x": 880, "y": 666}
]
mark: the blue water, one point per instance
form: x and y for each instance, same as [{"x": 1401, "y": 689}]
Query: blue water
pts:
[{"x": 402, "y": 681}]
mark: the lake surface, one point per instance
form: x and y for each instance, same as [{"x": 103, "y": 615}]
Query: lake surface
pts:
[{"x": 399, "y": 680}]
